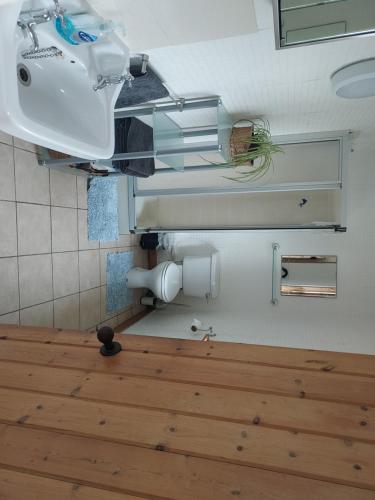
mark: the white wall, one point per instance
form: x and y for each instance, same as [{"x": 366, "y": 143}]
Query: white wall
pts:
[
  {"x": 243, "y": 312},
  {"x": 241, "y": 209}
]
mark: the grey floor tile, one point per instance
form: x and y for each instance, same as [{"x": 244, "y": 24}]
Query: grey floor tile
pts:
[
  {"x": 125, "y": 315},
  {"x": 32, "y": 180},
  {"x": 10, "y": 319},
  {"x": 65, "y": 274},
  {"x": 8, "y": 229},
  {"x": 9, "y": 297},
  {"x": 7, "y": 189},
  {"x": 109, "y": 244},
  {"x": 6, "y": 138},
  {"x": 140, "y": 258},
  {"x": 104, "y": 315},
  {"x": 89, "y": 308},
  {"x": 103, "y": 263},
  {"x": 89, "y": 269},
  {"x": 112, "y": 322},
  {"x": 28, "y": 146},
  {"x": 64, "y": 229},
  {"x": 82, "y": 191},
  {"x": 83, "y": 241},
  {"x": 35, "y": 275},
  {"x": 63, "y": 189},
  {"x": 34, "y": 229},
  {"x": 125, "y": 240},
  {"x": 40, "y": 315},
  {"x": 66, "y": 312}
]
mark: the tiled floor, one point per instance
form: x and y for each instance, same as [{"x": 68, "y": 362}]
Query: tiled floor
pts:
[{"x": 50, "y": 274}]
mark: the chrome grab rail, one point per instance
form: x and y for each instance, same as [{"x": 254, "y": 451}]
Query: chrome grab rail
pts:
[{"x": 275, "y": 290}]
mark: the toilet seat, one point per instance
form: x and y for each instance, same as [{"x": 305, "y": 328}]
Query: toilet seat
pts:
[{"x": 170, "y": 281}]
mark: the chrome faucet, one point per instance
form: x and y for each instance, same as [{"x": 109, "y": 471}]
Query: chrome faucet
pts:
[
  {"x": 59, "y": 12},
  {"x": 106, "y": 81},
  {"x": 29, "y": 20}
]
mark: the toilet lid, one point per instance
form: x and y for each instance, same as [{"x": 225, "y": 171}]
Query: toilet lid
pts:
[{"x": 171, "y": 282}]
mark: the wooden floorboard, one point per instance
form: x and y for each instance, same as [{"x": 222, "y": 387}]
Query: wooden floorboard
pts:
[
  {"x": 296, "y": 414},
  {"x": 145, "y": 471},
  {"x": 177, "y": 419},
  {"x": 15, "y": 485},
  {"x": 299, "y": 383},
  {"x": 307, "y": 359},
  {"x": 328, "y": 458}
]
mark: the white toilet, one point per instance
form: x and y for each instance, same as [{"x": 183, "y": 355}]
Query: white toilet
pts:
[{"x": 196, "y": 276}]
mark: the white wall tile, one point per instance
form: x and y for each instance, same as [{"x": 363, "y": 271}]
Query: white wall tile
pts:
[
  {"x": 89, "y": 269},
  {"x": 66, "y": 312},
  {"x": 65, "y": 274},
  {"x": 35, "y": 275},
  {"x": 40, "y": 315},
  {"x": 8, "y": 229},
  {"x": 7, "y": 189},
  {"x": 64, "y": 229},
  {"x": 83, "y": 241},
  {"x": 34, "y": 229},
  {"x": 89, "y": 309},
  {"x": 32, "y": 180},
  {"x": 9, "y": 298},
  {"x": 63, "y": 189},
  {"x": 10, "y": 319}
]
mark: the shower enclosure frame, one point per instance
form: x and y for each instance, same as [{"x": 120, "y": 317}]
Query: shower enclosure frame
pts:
[{"x": 343, "y": 139}]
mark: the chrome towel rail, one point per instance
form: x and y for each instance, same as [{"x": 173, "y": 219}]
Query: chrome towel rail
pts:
[{"x": 275, "y": 268}]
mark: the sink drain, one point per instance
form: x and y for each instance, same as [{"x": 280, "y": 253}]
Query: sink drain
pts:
[{"x": 23, "y": 75}]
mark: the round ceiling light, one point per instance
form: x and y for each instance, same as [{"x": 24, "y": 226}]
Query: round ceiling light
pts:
[{"x": 356, "y": 80}]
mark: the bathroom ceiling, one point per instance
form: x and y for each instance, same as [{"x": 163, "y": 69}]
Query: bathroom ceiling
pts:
[
  {"x": 291, "y": 87},
  {"x": 150, "y": 24}
]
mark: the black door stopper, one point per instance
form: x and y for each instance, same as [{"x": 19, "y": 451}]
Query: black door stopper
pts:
[{"x": 105, "y": 335}]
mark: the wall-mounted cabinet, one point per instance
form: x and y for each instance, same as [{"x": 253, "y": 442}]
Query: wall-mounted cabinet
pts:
[{"x": 299, "y": 22}]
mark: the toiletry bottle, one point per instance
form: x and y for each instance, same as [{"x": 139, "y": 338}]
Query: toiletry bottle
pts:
[
  {"x": 83, "y": 27},
  {"x": 72, "y": 33}
]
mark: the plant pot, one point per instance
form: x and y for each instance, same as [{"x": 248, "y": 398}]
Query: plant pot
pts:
[{"x": 240, "y": 142}]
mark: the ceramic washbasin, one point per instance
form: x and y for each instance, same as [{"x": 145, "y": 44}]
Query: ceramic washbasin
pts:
[{"x": 51, "y": 101}]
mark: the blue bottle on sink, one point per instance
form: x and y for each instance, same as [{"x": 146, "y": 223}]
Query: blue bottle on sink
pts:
[{"x": 72, "y": 31}]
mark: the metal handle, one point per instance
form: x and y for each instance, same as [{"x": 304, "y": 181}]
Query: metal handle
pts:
[{"x": 275, "y": 291}]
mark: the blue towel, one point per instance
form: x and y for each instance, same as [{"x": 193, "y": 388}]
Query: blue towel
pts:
[
  {"x": 102, "y": 205},
  {"x": 118, "y": 295}
]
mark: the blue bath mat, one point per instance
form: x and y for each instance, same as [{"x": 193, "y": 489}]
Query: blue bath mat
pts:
[
  {"x": 118, "y": 295},
  {"x": 102, "y": 214}
]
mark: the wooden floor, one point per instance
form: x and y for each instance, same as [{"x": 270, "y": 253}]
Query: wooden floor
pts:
[{"x": 178, "y": 419}]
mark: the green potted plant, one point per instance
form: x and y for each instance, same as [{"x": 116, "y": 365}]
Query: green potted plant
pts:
[{"x": 251, "y": 150}]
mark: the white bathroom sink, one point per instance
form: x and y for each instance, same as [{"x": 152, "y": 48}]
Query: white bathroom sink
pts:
[{"x": 56, "y": 106}]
